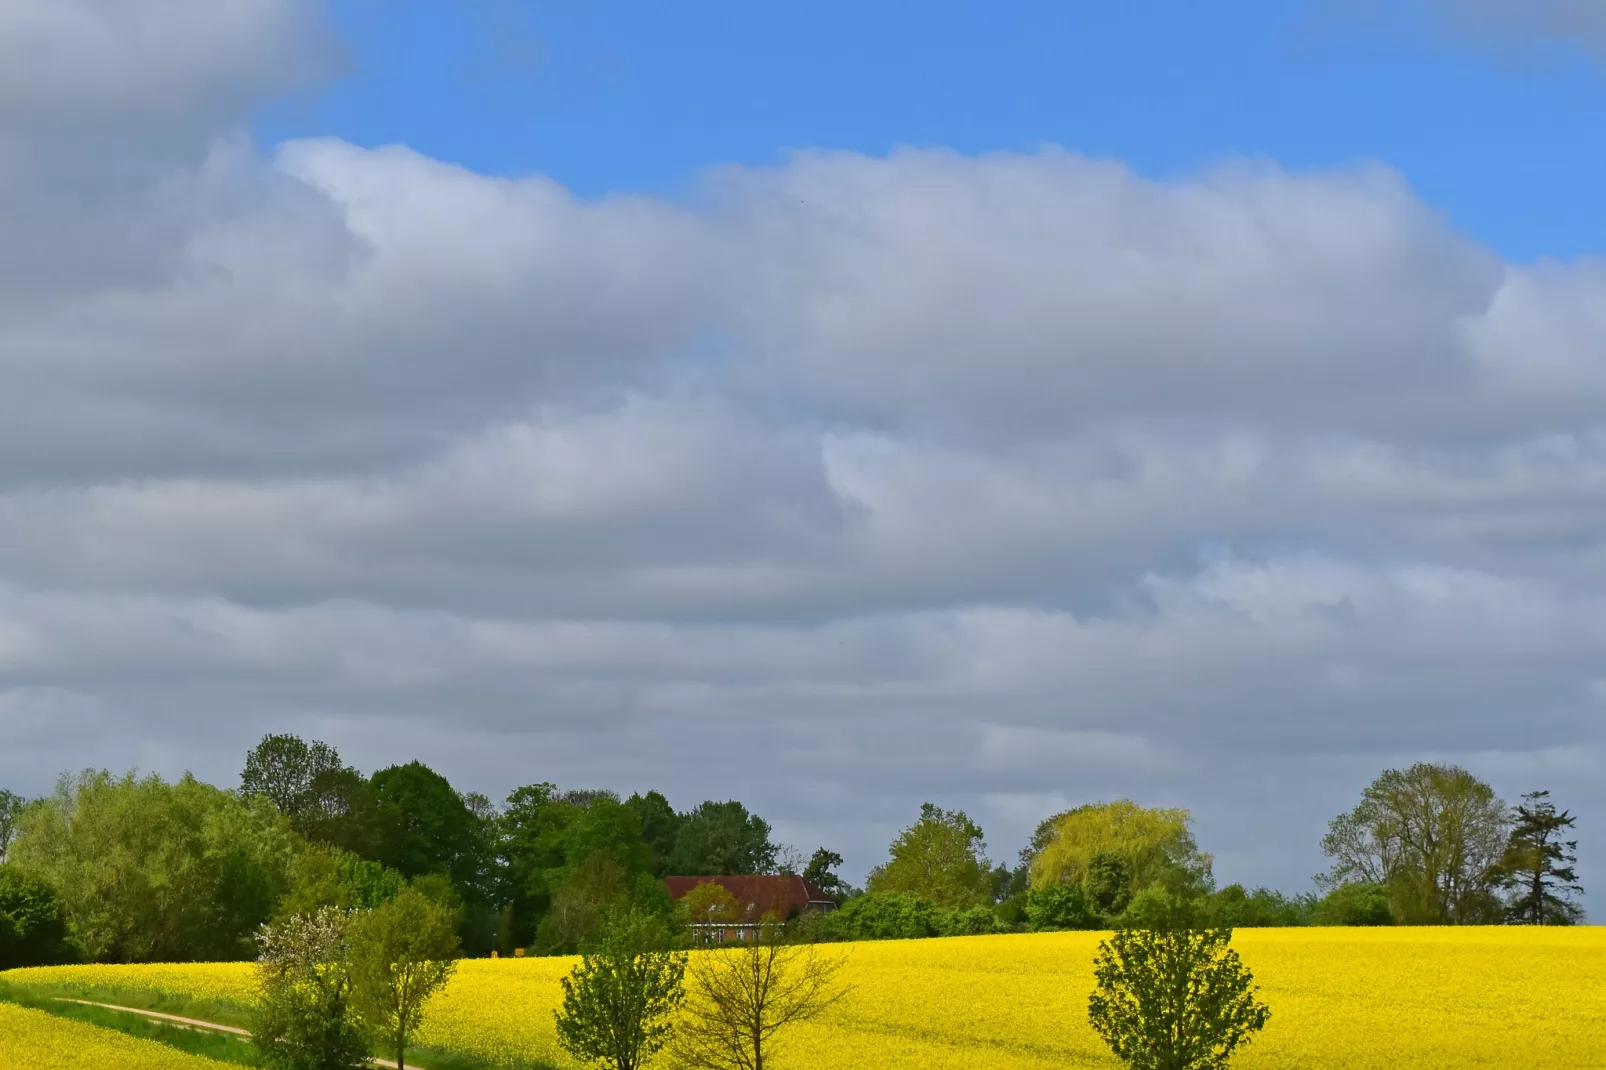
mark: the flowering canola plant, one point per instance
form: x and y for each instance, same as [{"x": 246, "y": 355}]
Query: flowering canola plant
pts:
[
  {"x": 1357, "y": 999},
  {"x": 34, "y": 1040}
]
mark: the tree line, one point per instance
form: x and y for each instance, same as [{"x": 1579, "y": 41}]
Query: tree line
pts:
[{"x": 138, "y": 869}]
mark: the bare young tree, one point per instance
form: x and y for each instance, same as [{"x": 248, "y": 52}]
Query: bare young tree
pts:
[{"x": 740, "y": 998}]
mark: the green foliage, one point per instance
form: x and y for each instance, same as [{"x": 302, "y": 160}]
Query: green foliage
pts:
[
  {"x": 151, "y": 871},
  {"x": 283, "y": 768},
  {"x": 1062, "y": 906},
  {"x": 887, "y": 916},
  {"x": 618, "y": 1003},
  {"x": 1538, "y": 866},
  {"x": 1153, "y": 846},
  {"x": 11, "y": 807},
  {"x": 588, "y": 891},
  {"x": 941, "y": 857},
  {"x": 223, "y": 1047},
  {"x": 1233, "y": 907},
  {"x": 1173, "y": 997},
  {"x": 722, "y": 839},
  {"x": 1433, "y": 835},
  {"x": 1109, "y": 882},
  {"x": 1355, "y": 903},
  {"x": 659, "y": 825},
  {"x": 709, "y": 903},
  {"x": 821, "y": 872},
  {"x": 971, "y": 921},
  {"x": 33, "y": 922},
  {"x": 303, "y": 1018},
  {"x": 400, "y": 955},
  {"x": 425, "y": 827},
  {"x": 325, "y": 876}
]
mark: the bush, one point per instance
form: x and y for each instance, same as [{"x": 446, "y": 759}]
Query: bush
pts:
[
  {"x": 887, "y": 916},
  {"x": 972, "y": 921},
  {"x": 303, "y": 1018},
  {"x": 1355, "y": 904},
  {"x": 33, "y": 922},
  {"x": 1061, "y": 906},
  {"x": 1233, "y": 907}
]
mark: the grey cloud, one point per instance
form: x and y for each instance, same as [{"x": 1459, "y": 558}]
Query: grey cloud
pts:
[{"x": 1004, "y": 482}]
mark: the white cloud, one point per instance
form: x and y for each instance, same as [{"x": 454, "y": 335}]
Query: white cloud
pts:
[{"x": 1002, "y": 482}]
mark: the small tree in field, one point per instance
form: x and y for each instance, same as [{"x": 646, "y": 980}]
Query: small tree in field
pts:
[
  {"x": 617, "y": 1003},
  {"x": 1173, "y": 996},
  {"x": 401, "y": 954},
  {"x": 742, "y": 997},
  {"x": 303, "y": 1018}
]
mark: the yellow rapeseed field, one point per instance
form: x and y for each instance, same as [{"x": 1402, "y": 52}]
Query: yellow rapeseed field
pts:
[
  {"x": 34, "y": 1040},
  {"x": 1354, "y": 999}
]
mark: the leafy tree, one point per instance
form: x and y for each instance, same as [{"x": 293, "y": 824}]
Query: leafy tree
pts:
[
  {"x": 344, "y": 811},
  {"x": 821, "y": 872},
  {"x": 1538, "y": 865},
  {"x": 659, "y": 825},
  {"x": 742, "y": 997},
  {"x": 722, "y": 839},
  {"x": 11, "y": 805},
  {"x": 1062, "y": 906},
  {"x": 33, "y": 922},
  {"x": 1355, "y": 903},
  {"x": 886, "y": 916},
  {"x": 940, "y": 857},
  {"x": 1156, "y": 847},
  {"x": 326, "y": 876},
  {"x": 427, "y": 828},
  {"x": 618, "y": 1003},
  {"x": 588, "y": 891},
  {"x": 152, "y": 871},
  {"x": 970, "y": 921},
  {"x": 709, "y": 904},
  {"x": 1433, "y": 835},
  {"x": 283, "y": 768},
  {"x": 401, "y": 954},
  {"x": 1173, "y": 996},
  {"x": 1108, "y": 880},
  {"x": 303, "y": 1018},
  {"x": 1235, "y": 907}
]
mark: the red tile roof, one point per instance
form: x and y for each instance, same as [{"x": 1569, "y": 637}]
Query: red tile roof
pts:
[{"x": 782, "y": 895}]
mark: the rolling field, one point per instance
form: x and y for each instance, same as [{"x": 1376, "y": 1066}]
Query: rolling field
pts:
[
  {"x": 34, "y": 1040},
  {"x": 1340, "y": 998}
]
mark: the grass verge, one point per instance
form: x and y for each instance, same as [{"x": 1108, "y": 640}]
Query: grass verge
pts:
[{"x": 223, "y": 1047}]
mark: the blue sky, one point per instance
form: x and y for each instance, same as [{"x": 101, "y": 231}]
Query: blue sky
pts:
[{"x": 631, "y": 96}]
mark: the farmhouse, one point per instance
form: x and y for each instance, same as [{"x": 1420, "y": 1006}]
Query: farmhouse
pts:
[{"x": 781, "y": 896}]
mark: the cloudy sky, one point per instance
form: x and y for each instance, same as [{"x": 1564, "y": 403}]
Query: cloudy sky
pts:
[{"x": 1007, "y": 411}]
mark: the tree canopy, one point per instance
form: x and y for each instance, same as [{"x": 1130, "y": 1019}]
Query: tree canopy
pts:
[
  {"x": 1091, "y": 844},
  {"x": 941, "y": 857}
]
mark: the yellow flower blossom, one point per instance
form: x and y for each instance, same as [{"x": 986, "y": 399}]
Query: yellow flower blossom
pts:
[{"x": 1341, "y": 999}]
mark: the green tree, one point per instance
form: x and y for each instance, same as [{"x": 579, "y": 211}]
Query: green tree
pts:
[
  {"x": 283, "y": 769},
  {"x": 1108, "y": 881},
  {"x": 1173, "y": 996},
  {"x": 11, "y": 806},
  {"x": 1433, "y": 835},
  {"x": 821, "y": 872},
  {"x": 741, "y": 998},
  {"x": 1156, "y": 847},
  {"x": 886, "y": 916},
  {"x": 1235, "y": 907},
  {"x": 326, "y": 876},
  {"x": 1062, "y": 906},
  {"x": 303, "y": 1018},
  {"x": 941, "y": 857},
  {"x": 426, "y": 827},
  {"x": 722, "y": 839},
  {"x": 586, "y": 893},
  {"x": 659, "y": 825},
  {"x": 152, "y": 871},
  {"x": 401, "y": 954},
  {"x": 1538, "y": 865},
  {"x": 618, "y": 1003},
  {"x": 1355, "y": 903},
  {"x": 33, "y": 922}
]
